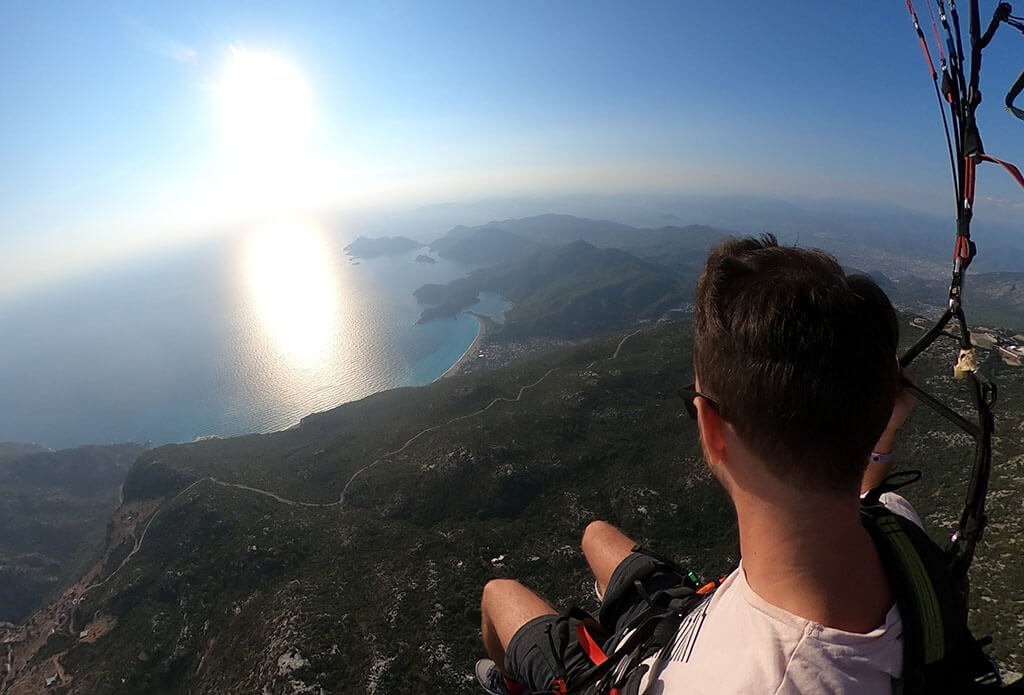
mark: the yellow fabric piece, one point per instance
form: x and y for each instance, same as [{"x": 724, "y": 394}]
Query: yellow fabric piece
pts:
[{"x": 965, "y": 364}]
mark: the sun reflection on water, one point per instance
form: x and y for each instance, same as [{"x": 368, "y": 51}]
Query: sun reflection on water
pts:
[{"x": 294, "y": 292}]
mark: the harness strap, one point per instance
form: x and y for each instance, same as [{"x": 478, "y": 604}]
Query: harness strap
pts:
[
  {"x": 1014, "y": 92},
  {"x": 590, "y": 646},
  {"x": 940, "y": 653},
  {"x": 921, "y": 598},
  {"x": 646, "y": 634}
]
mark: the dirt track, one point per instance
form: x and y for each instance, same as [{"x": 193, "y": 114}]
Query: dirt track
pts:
[{"x": 131, "y": 522}]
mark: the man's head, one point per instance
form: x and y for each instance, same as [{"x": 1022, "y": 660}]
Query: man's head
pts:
[{"x": 800, "y": 358}]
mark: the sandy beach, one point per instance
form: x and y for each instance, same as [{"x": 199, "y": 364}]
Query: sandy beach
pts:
[{"x": 471, "y": 352}]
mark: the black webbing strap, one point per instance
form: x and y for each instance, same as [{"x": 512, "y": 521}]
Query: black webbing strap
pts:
[
  {"x": 1014, "y": 92},
  {"x": 939, "y": 650},
  {"x": 644, "y": 638}
]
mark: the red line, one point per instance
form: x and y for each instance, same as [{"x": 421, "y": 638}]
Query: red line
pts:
[
  {"x": 920, "y": 38},
  {"x": 969, "y": 166},
  {"x": 935, "y": 30},
  {"x": 1010, "y": 168}
]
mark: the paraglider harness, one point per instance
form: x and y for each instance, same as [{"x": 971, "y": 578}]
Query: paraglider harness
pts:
[
  {"x": 930, "y": 583},
  {"x": 618, "y": 664},
  {"x": 939, "y": 655}
]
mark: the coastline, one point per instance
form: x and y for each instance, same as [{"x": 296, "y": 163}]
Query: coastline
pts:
[{"x": 467, "y": 356}]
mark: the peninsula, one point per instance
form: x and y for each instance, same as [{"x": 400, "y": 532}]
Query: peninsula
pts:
[{"x": 367, "y": 247}]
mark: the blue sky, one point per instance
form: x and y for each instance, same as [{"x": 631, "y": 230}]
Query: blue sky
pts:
[{"x": 116, "y": 139}]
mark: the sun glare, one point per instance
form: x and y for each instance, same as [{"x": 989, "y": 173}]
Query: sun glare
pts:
[
  {"x": 293, "y": 290},
  {"x": 272, "y": 164},
  {"x": 265, "y": 106}
]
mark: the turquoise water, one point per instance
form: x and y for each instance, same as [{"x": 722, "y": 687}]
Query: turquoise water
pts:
[{"x": 247, "y": 335}]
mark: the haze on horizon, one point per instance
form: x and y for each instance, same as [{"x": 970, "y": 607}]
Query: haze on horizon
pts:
[{"x": 131, "y": 129}]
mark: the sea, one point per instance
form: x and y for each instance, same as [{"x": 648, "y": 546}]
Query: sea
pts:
[{"x": 239, "y": 335}]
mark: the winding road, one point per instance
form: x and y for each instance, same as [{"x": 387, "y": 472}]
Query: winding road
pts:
[
  {"x": 341, "y": 497},
  {"x": 141, "y": 538}
]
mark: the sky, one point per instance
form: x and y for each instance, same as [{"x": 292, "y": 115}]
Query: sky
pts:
[{"x": 131, "y": 126}]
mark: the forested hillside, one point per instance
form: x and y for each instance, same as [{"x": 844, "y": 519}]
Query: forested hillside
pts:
[{"x": 346, "y": 555}]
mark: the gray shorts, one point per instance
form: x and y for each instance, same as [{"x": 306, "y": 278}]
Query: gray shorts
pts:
[{"x": 546, "y": 647}]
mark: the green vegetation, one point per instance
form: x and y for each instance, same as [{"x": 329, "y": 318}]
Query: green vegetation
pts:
[
  {"x": 995, "y": 299},
  {"x": 573, "y": 291},
  {"x": 910, "y": 265},
  {"x": 347, "y": 554},
  {"x": 234, "y": 591},
  {"x": 54, "y": 508},
  {"x": 484, "y": 245},
  {"x": 681, "y": 249}
]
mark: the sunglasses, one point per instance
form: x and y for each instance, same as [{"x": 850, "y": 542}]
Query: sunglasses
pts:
[{"x": 689, "y": 392}]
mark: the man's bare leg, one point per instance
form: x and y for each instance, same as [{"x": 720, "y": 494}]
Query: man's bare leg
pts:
[
  {"x": 507, "y": 605},
  {"x": 604, "y": 547}
]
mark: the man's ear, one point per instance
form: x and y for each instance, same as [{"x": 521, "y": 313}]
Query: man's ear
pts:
[{"x": 712, "y": 432}]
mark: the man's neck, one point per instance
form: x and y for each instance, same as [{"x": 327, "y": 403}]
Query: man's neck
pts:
[{"x": 813, "y": 559}]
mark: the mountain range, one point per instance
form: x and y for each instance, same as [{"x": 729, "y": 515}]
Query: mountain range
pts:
[
  {"x": 909, "y": 267},
  {"x": 346, "y": 554}
]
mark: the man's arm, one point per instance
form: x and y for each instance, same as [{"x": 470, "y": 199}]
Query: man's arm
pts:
[{"x": 876, "y": 471}]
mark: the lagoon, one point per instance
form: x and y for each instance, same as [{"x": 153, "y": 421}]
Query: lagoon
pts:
[{"x": 242, "y": 335}]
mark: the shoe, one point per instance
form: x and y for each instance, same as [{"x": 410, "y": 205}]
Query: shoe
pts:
[{"x": 490, "y": 678}]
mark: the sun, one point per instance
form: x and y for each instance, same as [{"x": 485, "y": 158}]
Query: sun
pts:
[
  {"x": 265, "y": 106},
  {"x": 293, "y": 290},
  {"x": 269, "y": 162}
]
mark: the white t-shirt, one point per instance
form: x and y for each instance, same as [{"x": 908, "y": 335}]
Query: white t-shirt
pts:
[{"x": 737, "y": 642}]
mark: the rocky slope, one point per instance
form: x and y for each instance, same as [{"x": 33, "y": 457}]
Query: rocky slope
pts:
[
  {"x": 54, "y": 507},
  {"x": 347, "y": 554}
]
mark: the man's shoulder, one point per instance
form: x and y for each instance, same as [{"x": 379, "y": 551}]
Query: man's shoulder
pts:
[{"x": 737, "y": 641}]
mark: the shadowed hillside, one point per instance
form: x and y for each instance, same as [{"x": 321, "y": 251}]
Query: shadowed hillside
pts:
[
  {"x": 573, "y": 291},
  {"x": 54, "y": 507},
  {"x": 257, "y": 572}
]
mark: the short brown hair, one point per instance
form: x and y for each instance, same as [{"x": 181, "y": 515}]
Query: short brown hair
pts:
[{"x": 800, "y": 357}]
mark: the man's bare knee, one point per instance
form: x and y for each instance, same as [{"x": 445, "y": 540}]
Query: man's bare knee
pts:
[
  {"x": 598, "y": 534},
  {"x": 604, "y": 547},
  {"x": 592, "y": 532},
  {"x": 505, "y": 606},
  {"x": 497, "y": 589}
]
